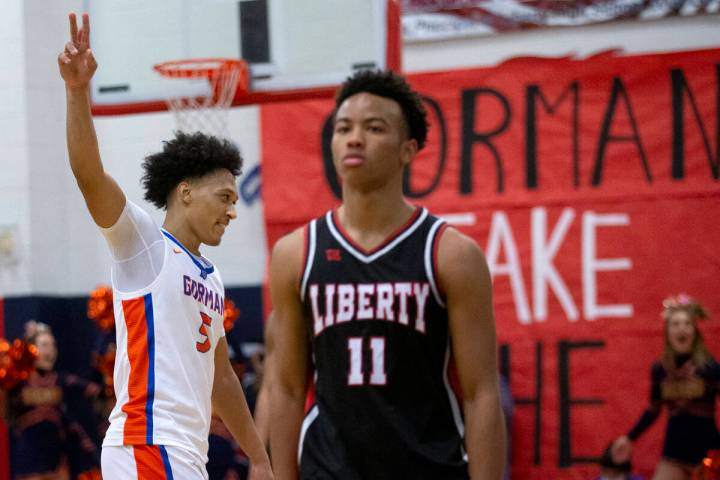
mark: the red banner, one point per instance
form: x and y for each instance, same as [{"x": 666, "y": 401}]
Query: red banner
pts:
[{"x": 592, "y": 186}]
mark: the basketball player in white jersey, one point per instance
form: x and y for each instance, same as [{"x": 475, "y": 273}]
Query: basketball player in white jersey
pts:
[{"x": 172, "y": 366}]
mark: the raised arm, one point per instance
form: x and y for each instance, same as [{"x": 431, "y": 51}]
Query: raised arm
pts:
[
  {"x": 464, "y": 276},
  {"x": 103, "y": 196},
  {"x": 290, "y": 362}
]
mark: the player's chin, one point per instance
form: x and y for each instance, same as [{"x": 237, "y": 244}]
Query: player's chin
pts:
[
  {"x": 363, "y": 183},
  {"x": 214, "y": 236},
  {"x": 214, "y": 239}
]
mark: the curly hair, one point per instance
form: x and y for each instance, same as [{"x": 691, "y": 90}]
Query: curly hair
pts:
[
  {"x": 187, "y": 156},
  {"x": 388, "y": 84}
]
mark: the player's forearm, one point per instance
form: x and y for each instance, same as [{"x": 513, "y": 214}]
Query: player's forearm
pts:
[
  {"x": 262, "y": 402},
  {"x": 229, "y": 402},
  {"x": 81, "y": 138},
  {"x": 485, "y": 436},
  {"x": 286, "y": 410},
  {"x": 262, "y": 415}
]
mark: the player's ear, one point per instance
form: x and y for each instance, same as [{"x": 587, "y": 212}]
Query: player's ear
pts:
[
  {"x": 184, "y": 192},
  {"x": 408, "y": 151}
]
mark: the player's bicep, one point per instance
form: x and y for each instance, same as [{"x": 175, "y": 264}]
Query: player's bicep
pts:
[
  {"x": 221, "y": 359},
  {"x": 466, "y": 280},
  {"x": 223, "y": 375},
  {"x": 104, "y": 198},
  {"x": 137, "y": 247},
  {"x": 289, "y": 334}
]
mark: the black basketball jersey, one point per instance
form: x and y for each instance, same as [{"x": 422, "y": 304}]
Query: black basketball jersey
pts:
[{"x": 384, "y": 408}]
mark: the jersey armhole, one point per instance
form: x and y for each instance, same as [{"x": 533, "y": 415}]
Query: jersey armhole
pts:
[
  {"x": 431, "y": 259},
  {"x": 435, "y": 250},
  {"x": 309, "y": 241}
]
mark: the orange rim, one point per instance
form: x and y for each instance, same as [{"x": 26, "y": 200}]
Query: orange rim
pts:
[
  {"x": 199, "y": 67},
  {"x": 210, "y": 68}
]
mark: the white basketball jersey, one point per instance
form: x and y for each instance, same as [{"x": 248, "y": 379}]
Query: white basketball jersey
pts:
[{"x": 164, "y": 366}]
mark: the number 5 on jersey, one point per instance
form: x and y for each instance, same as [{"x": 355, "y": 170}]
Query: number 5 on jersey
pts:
[
  {"x": 204, "y": 346},
  {"x": 356, "y": 375}
]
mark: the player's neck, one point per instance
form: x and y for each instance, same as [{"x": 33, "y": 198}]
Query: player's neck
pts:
[
  {"x": 369, "y": 218},
  {"x": 182, "y": 233}
]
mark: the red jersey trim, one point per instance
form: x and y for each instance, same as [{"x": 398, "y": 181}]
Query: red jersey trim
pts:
[
  {"x": 435, "y": 248},
  {"x": 382, "y": 244}
]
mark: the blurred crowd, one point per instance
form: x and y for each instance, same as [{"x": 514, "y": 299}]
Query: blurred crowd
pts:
[{"x": 57, "y": 420}]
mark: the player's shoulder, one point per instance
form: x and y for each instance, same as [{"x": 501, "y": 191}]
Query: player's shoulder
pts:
[
  {"x": 295, "y": 240},
  {"x": 460, "y": 261},
  {"x": 455, "y": 246},
  {"x": 289, "y": 242},
  {"x": 136, "y": 210},
  {"x": 288, "y": 252},
  {"x": 286, "y": 261}
]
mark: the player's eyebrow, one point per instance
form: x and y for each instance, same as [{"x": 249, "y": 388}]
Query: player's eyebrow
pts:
[
  {"x": 364, "y": 120},
  {"x": 228, "y": 190}
]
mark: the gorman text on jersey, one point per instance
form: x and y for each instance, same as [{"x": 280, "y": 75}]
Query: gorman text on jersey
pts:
[{"x": 204, "y": 295}]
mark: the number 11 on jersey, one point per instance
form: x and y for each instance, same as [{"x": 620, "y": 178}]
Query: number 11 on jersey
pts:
[{"x": 356, "y": 375}]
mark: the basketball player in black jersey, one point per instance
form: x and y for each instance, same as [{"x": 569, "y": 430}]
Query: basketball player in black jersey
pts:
[{"x": 378, "y": 298}]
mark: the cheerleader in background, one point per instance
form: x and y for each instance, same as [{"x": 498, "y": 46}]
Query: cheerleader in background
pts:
[
  {"x": 685, "y": 379},
  {"x": 43, "y": 435}
]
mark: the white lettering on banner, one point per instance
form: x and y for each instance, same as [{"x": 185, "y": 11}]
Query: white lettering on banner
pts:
[
  {"x": 544, "y": 272},
  {"x": 544, "y": 250},
  {"x": 591, "y": 265},
  {"x": 501, "y": 234}
]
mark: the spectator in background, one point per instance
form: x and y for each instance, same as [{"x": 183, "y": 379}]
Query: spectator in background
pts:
[
  {"x": 253, "y": 355},
  {"x": 685, "y": 379},
  {"x": 46, "y": 438}
]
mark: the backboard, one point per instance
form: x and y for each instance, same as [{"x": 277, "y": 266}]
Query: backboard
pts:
[{"x": 292, "y": 47}]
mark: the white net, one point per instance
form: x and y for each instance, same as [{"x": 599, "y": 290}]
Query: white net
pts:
[{"x": 206, "y": 112}]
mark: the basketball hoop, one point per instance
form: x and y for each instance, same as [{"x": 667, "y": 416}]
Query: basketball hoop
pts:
[{"x": 208, "y": 111}]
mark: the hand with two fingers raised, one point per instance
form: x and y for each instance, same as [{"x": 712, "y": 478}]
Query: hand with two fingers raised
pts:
[{"x": 76, "y": 62}]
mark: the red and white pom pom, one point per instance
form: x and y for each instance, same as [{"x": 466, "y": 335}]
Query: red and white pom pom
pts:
[
  {"x": 17, "y": 361},
  {"x": 232, "y": 313},
  {"x": 100, "y": 308}
]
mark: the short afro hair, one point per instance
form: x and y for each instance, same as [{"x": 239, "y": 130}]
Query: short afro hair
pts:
[
  {"x": 187, "y": 156},
  {"x": 388, "y": 84}
]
